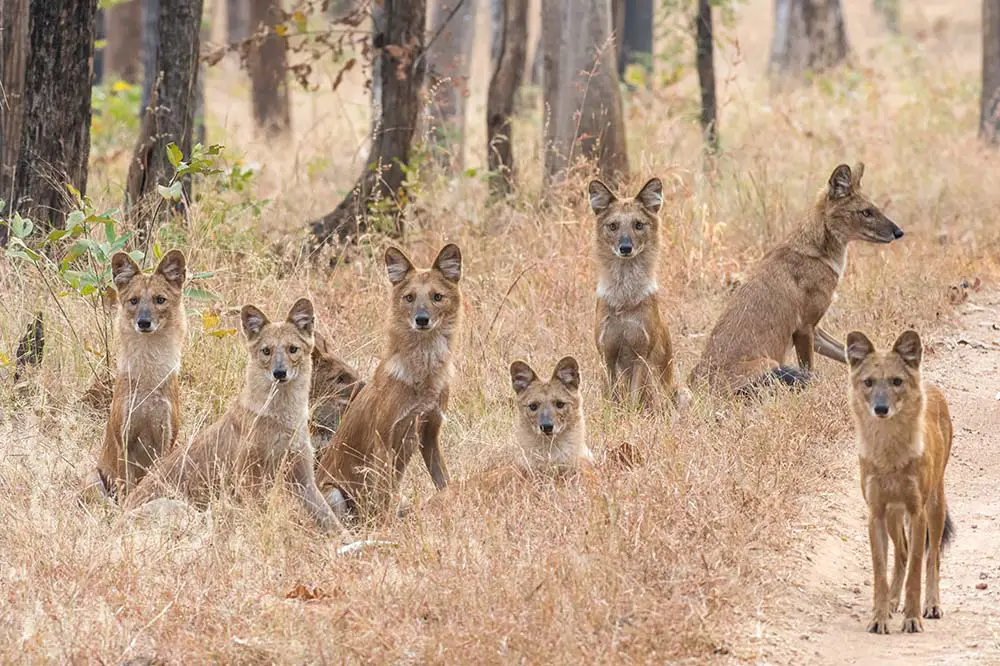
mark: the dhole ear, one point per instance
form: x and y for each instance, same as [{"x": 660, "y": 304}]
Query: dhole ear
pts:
[
  {"x": 397, "y": 265},
  {"x": 568, "y": 373},
  {"x": 857, "y": 174},
  {"x": 840, "y": 182},
  {"x": 254, "y": 321},
  {"x": 909, "y": 348},
  {"x": 172, "y": 267},
  {"x": 521, "y": 376},
  {"x": 449, "y": 262},
  {"x": 651, "y": 195},
  {"x": 859, "y": 347},
  {"x": 600, "y": 196},
  {"x": 301, "y": 315},
  {"x": 123, "y": 270},
  {"x": 320, "y": 345}
]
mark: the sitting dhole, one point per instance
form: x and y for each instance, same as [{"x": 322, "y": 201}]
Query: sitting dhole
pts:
[
  {"x": 402, "y": 408},
  {"x": 632, "y": 336},
  {"x": 551, "y": 431},
  {"x": 145, "y": 404},
  {"x": 904, "y": 440},
  {"x": 334, "y": 385},
  {"x": 263, "y": 435},
  {"x": 785, "y": 297}
]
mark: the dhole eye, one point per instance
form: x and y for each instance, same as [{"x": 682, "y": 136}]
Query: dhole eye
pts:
[
  {"x": 134, "y": 300},
  {"x": 639, "y": 226},
  {"x": 408, "y": 298},
  {"x": 160, "y": 300},
  {"x": 533, "y": 406},
  {"x": 266, "y": 351},
  {"x": 897, "y": 381},
  {"x": 868, "y": 383},
  {"x": 560, "y": 404},
  {"x": 613, "y": 226},
  {"x": 293, "y": 349},
  {"x": 437, "y": 298},
  {"x": 868, "y": 212}
]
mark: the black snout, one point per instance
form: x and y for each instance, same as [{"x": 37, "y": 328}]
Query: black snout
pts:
[
  {"x": 143, "y": 324},
  {"x": 280, "y": 374},
  {"x": 625, "y": 247},
  {"x": 422, "y": 320},
  {"x": 897, "y": 233},
  {"x": 546, "y": 428},
  {"x": 881, "y": 410}
]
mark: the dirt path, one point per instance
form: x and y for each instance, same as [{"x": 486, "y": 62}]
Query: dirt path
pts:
[{"x": 823, "y": 618}]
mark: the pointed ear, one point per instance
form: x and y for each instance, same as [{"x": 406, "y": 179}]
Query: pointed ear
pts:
[
  {"x": 909, "y": 348},
  {"x": 840, "y": 182},
  {"x": 301, "y": 315},
  {"x": 857, "y": 174},
  {"x": 521, "y": 376},
  {"x": 172, "y": 268},
  {"x": 651, "y": 195},
  {"x": 568, "y": 373},
  {"x": 254, "y": 321},
  {"x": 859, "y": 347},
  {"x": 320, "y": 346},
  {"x": 600, "y": 197},
  {"x": 449, "y": 262},
  {"x": 397, "y": 265},
  {"x": 123, "y": 270}
]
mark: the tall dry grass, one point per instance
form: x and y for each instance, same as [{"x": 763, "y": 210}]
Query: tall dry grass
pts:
[{"x": 670, "y": 559}]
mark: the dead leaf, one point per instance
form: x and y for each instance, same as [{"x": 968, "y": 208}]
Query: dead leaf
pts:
[
  {"x": 307, "y": 593},
  {"x": 626, "y": 456}
]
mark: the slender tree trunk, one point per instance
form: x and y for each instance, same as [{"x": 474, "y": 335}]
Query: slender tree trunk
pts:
[
  {"x": 268, "y": 64},
  {"x": 889, "y": 10},
  {"x": 123, "y": 23},
  {"x": 170, "y": 116},
  {"x": 448, "y": 61},
  {"x": 809, "y": 36},
  {"x": 150, "y": 43},
  {"x": 398, "y": 32},
  {"x": 237, "y": 20},
  {"x": 13, "y": 56},
  {"x": 584, "y": 97},
  {"x": 55, "y": 135},
  {"x": 618, "y": 29},
  {"x": 636, "y": 38},
  {"x": 551, "y": 43},
  {"x": 500, "y": 101},
  {"x": 706, "y": 76},
  {"x": 989, "y": 120},
  {"x": 100, "y": 34}
]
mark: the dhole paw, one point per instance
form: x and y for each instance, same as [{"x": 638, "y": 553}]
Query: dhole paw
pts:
[
  {"x": 933, "y": 612},
  {"x": 912, "y": 625},
  {"x": 879, "y": 624}
]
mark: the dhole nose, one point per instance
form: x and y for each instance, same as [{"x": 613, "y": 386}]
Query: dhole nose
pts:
[
  {"x": 897, "y": 233},
  {"x": 422, "y": 320},
  {"x": 279, "y": 373},
  {"x": 625, "y": 247},
  {"x": 881, "y": 410},
  {"x": 546, "y": 428},
  {"x": 143, "y": 324}
]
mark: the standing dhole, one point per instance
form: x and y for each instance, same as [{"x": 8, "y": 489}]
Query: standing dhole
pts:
[
  {"x": 402, "y": 408},
  {"x": 265, "y": 433},
  {"x": 785, "y": 297},
  {"x": 145, "y": 404},
  {"x": 632, "y": 336},
  {"x": 904, "y": 440}
]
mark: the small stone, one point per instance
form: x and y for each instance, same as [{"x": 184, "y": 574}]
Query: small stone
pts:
[
  {"x": 983, "y": 575},
  {"x": 981, "y": 586},
  {"x": 856, "y": 590}
]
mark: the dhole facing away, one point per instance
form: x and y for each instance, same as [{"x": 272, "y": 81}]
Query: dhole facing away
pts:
[
  {"x": 402, "y": 409},
  {"x": 261, "y": 438},
  {"x": 551, "y": 430},
  {"x": 145, "y": 404},
  {"x": 334, "y": 384},
  {"x": 904, "y": 440},
  {"x": 632, "y": 336},
  {"x": 785, "y": 297}
]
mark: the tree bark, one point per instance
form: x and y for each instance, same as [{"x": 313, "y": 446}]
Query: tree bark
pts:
[
  {"x": 237, "y": 20},
  {"x": 636, "y": 37},
  {"x": 453, "y": 22},
  {"x": 889, "y": 10},
  {"x": 268, "y": 65},
  {"x": 706, "y": 76},
  {"x": 989, "y": 119},
  {"x": 13, "y": 56},
  {"x": 97, "y": 77},
  {"x": 500, "y": 100},
  {"x": 809, "y": 37},
  {"x": 581, "y": 90},
  {"x": 398, "y": 74},
  {"x": 55, "y": 135},
  {"x": 150, "y": 43},
  {"x": 169, "y": 117},
  {"x": 123, "y": 23}
]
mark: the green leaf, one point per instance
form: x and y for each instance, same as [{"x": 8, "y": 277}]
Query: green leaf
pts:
[
  {"x": 471, "y": 173},
  {"x": 137, "y": 256},
  {"x": 171, "y": 193},
  {"x": 201, "y": 295},
  {"x": 87, "y": 290},
  {"x": 56, "y": 235},
  {"x": 76, "y": 219},
  {"x": 174, "y": 154},
  {"x": 109, "y": 231},
  {"x": 203, "y": 275}
]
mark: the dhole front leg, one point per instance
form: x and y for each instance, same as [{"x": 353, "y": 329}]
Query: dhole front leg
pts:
[
  {"x": 430, "y": 448},
  {"x": 897, "y": 532},
  {"x": 880, "y": 549},
  {"x": 911, "y": 608},
  {"x": 935, "y": 527},
  {"x": 803, "y": 341},
  {"x": 302, "y": 478}
]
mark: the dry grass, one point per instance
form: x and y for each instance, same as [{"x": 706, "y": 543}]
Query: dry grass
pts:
[{"x": 663, "y": 561}]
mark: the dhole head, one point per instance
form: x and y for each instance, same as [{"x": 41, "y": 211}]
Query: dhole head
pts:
[
  {"x": 334, "y": 385},
  {"x": 627, "y": 227},
  {"x": 425, "y": 300},
  {"x": 850, "y": 215},
  {"x": 548, "y": 408},
  {"x": 282, "y": 351},
  {"x": 884, "y": 384},
  {"x": 149, "y": 302}
]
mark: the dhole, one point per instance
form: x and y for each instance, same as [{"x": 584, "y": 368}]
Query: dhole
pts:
[
  {"x": 264, "y": 434},
  {"x": 785, "y": 297},
  {"x": 145, "y": 404},
  {"x": 904, "y": 440},
  {"x": 334, "y": 385},
  {"x": 632, "y": 336},
  {"x": 402, "y": 408}
]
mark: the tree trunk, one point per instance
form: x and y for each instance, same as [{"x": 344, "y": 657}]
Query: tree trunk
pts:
[
  {"x": 809, "y": 36},
  {"x": 237, "y": 20},
  {"x": 150, "y": 43},
  {"x": 889, "y": 10},
  {"x": 55, "y": 135},
  {"x": 706, "y": 76},
  {"x": 398, "y": 74},
  {"x": 500, "y": 101},
  {"x": 581, "y": 89},
  {"x": 618, "y": 29},
  {"x": 497, "y": 13},
  {"x": 123, "y": 26},
  {"x": 268, "y": 64},
  {"x": 453, "y": 22},
  {"x": 989, "y": 120},
  {"x": 636, "y": 38},
  {"x": 13, "y": 55},
  {"x": 100, "y": 35},
  {"x": 170, "y": 116}
]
